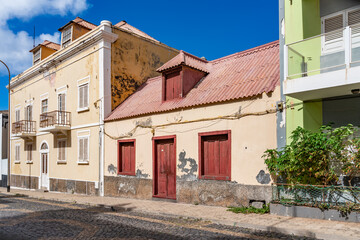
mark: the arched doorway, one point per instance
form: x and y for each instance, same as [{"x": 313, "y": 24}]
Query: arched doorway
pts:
[{"x": 44, "y": 165}]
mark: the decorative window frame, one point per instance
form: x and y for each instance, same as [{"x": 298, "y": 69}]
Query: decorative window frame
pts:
[
  {"x": 82, "y": 82},
  {"x": 200, "y": 163},
  {"x": 119, "y": 158},
  {"x": 82, "y": 135},
  {"x": 17, "y": 161},
  {"x": 44, "y": 96}
]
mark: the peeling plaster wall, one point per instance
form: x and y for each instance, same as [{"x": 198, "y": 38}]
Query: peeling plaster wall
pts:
[
  {"x": 133, "y": 61},
  {"x": 251, "y": 136}
]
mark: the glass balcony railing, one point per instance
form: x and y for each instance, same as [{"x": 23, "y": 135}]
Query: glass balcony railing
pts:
[{"x": 328, "y": 52}]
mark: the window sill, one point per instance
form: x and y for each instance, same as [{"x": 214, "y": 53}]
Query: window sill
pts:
[
  {"x": 29, "y": 162},
  {"x": 61, "y": 161},
  {"x": 83, "y": 163},
  {"x": 80, "y": 110},
  {"x": 16, "y": 162}
]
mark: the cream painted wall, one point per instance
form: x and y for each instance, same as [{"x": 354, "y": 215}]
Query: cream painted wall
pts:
[
  {"x": 251, "y": 136},
  {"x": 65, "y": 76}
]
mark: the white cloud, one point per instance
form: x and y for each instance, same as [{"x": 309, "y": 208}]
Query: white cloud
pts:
[{"x": 15, "y": 46}]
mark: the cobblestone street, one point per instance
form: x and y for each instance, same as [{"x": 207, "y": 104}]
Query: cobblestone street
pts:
[{"x": 26, "y": 218}]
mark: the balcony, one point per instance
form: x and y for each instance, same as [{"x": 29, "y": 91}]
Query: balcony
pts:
[
  {"x": 55, "y": 121},
  {"x": 24, "y": 129},
  {"x": 323, "y": 66}
]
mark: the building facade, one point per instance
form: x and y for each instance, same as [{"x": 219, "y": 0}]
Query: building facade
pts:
[
  {"x": 58, "y": 105},
  {"x": 197, "y": 133},
  {"x": 320, "y": 63}
]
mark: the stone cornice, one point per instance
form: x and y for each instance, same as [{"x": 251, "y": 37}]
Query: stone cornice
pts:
[{"x": 101, "y": 33}]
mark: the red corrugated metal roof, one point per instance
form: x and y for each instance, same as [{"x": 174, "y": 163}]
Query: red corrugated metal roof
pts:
[
  {"x": 81, "y": 22},
  {"x": 184, "y": 58},
  {"x": 244, "y": 74},
  {"x": 48, "y": 44}
]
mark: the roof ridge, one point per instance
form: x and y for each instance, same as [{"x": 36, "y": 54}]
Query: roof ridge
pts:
[
  {"x": 193, "y": 56},
  {"x": 248, "y": 51}
]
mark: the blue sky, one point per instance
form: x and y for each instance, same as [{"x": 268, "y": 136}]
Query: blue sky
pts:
[{"x": 212, "y": 29}]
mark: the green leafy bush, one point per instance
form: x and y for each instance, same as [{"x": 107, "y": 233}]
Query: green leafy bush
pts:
[
  {"x": 316, "y": 158},
  {"x": 251, "y": 209}
]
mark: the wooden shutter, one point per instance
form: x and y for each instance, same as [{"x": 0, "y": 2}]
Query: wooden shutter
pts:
[
  {"x": 354, "y": 17},
  {"x": 86, "y": 149},
  {"x": 86, "y": 97},
  {"x": 17, "y": 115},
  {"x": 333, "y": 39},
  {"x": 17, "y": 153},
  {"x": 61, "y": 102},
  {"x": 81, "y": 97},
  {"x": 173, "y": 85},
  {"x": 127, "y": 158},
  {"x": 61, "y": 149},
  {"x": 215, "y": 157},
  {"x": 81, "y": 149}
]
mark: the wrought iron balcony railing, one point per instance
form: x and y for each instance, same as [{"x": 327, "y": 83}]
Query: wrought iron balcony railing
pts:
[
  {"x": 23, "y": 126},
  {"x": 55, "y": 118}
]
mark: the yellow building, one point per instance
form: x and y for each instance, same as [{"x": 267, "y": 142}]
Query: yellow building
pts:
[
  {"x": 58, "y": 105},
  {"x": 197, "y": 133}
]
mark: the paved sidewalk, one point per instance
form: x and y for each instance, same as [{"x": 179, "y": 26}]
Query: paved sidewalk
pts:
[{"x": 298, "y": 226}]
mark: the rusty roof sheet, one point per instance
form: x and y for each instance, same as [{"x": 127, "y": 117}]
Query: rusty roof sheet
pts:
[
  {"x": 81, "y": 22},
  {"x": 47, "y": 44},
  {"x": 127, "y": 27},
  {"x": 240, "y": 75},
  {"x": 184, "y": 58}
]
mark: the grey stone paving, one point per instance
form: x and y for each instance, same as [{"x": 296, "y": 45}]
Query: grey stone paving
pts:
[{"x": 25, "y": 218}]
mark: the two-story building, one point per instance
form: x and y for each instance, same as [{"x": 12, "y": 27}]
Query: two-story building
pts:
[
  {"x": 197, "y": 133},
  {"x": 58, "y": 105},
  {"x": 320, "y": 46}
]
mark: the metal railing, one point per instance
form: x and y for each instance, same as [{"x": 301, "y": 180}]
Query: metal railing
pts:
[
  {"x": 314, "y": 195},
  {"x": 327, "y": 52},
  {"x": 55, "y": 118},
  {"x": 23, "y": 126}
]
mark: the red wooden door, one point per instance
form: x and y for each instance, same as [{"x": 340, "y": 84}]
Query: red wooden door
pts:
[{"x": 165, "y": 169}]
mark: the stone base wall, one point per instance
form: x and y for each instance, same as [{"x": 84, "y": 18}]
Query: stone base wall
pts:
[
  {"x": 22, "y": 181},
  {"x": 3, "y": 181},
  {"x": 221, "y": 193},
  {"x": 207, "y": 192},
  {"x": 73, "y": 186},
  {"x": 129, "y": 187}
]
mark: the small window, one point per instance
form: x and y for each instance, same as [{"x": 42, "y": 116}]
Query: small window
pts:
[
  {"x": 61, "y": 150},
  {"x": 44, "y": 146},
  {"x": 44, "y": 106},
  {"x": 83, "y": 149},
  {"x": 126, "y": 157},
  {"x": 36, "y": 56},
  {"x": 17, "y": 115},
  {"x": 84, "y": 96},
  {"x": 29, "y": 148},
  {"x": 17, "y": 153},
  {"x": 215, "y": 155},
  {"x": 66, "y": 37}
]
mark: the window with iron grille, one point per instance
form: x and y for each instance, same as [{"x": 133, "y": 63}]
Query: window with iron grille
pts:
[
  {"x": 66, "y": 37},
  {"x": 126, "y": 157},
  {"x": 83, "y": 149},
  {"x": 83, "y": 96},
  {"x": 215, "y": 155},
  {"x": 62, "y": 150}
]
